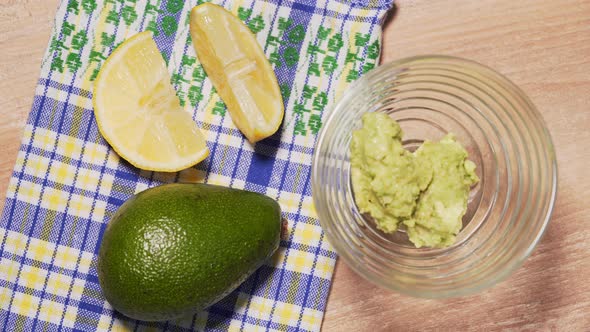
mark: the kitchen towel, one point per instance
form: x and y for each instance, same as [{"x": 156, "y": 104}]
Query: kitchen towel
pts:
[{"x": 68, "y": 182}]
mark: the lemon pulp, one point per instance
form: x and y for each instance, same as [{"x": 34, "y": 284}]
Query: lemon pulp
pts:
[
  {"x": 238, "y": 69},
  {"x": 138, "y": 112}
]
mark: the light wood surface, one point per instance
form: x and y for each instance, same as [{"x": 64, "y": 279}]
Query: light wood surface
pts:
[{"x": 543, "y": 46}]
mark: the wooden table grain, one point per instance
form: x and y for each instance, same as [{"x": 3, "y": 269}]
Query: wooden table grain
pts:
[{"x": 543, "y": 46}]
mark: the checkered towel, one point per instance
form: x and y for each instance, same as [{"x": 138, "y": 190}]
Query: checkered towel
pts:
[{"x": 68, "y": 182}]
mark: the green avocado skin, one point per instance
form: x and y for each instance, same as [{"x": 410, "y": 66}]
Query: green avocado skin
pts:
[{"x": 175, "y": 249}]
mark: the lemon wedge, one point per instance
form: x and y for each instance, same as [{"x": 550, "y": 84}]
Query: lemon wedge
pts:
[
  {"x": 138, "y": 112},
  {"x": 238, "y": 69}
]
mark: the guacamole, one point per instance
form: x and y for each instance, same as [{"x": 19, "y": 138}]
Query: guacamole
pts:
[{"x": 426, "y": 191}]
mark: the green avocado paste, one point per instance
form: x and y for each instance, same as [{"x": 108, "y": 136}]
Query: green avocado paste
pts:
[{"x": 426, "y": 191}]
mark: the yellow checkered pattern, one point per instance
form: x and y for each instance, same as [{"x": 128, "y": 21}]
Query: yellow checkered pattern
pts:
[
  {"x": 50, "y": 311},
  {"x": 40, "y": 250},
  {"x": 286, "y": 313},
  {"x": 25, "y": 304},
  {"x": 54, "y": 199},
  {"x": 32, "y": 277},
  {"x": 70, "y": 147},
  {"x": 68, "y": 182}
]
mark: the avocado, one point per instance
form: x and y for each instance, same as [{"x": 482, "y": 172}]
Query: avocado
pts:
[
  {"x": 427, "y": 190},
  {"x": 175, "y": 249}
]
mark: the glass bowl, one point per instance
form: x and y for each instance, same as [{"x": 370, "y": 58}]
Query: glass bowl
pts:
[{"x": 508, "y": 210}]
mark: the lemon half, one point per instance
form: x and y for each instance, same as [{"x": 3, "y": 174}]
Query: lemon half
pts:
[
  {"x": 138, "y": 112},
  {"x": 238, "y": 69}
]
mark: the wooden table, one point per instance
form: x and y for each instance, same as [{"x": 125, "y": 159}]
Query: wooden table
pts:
[{"x": 543, "y": 46}]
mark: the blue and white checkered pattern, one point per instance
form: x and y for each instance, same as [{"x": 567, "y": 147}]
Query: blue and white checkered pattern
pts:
[{"x": 67, "y": 181}]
